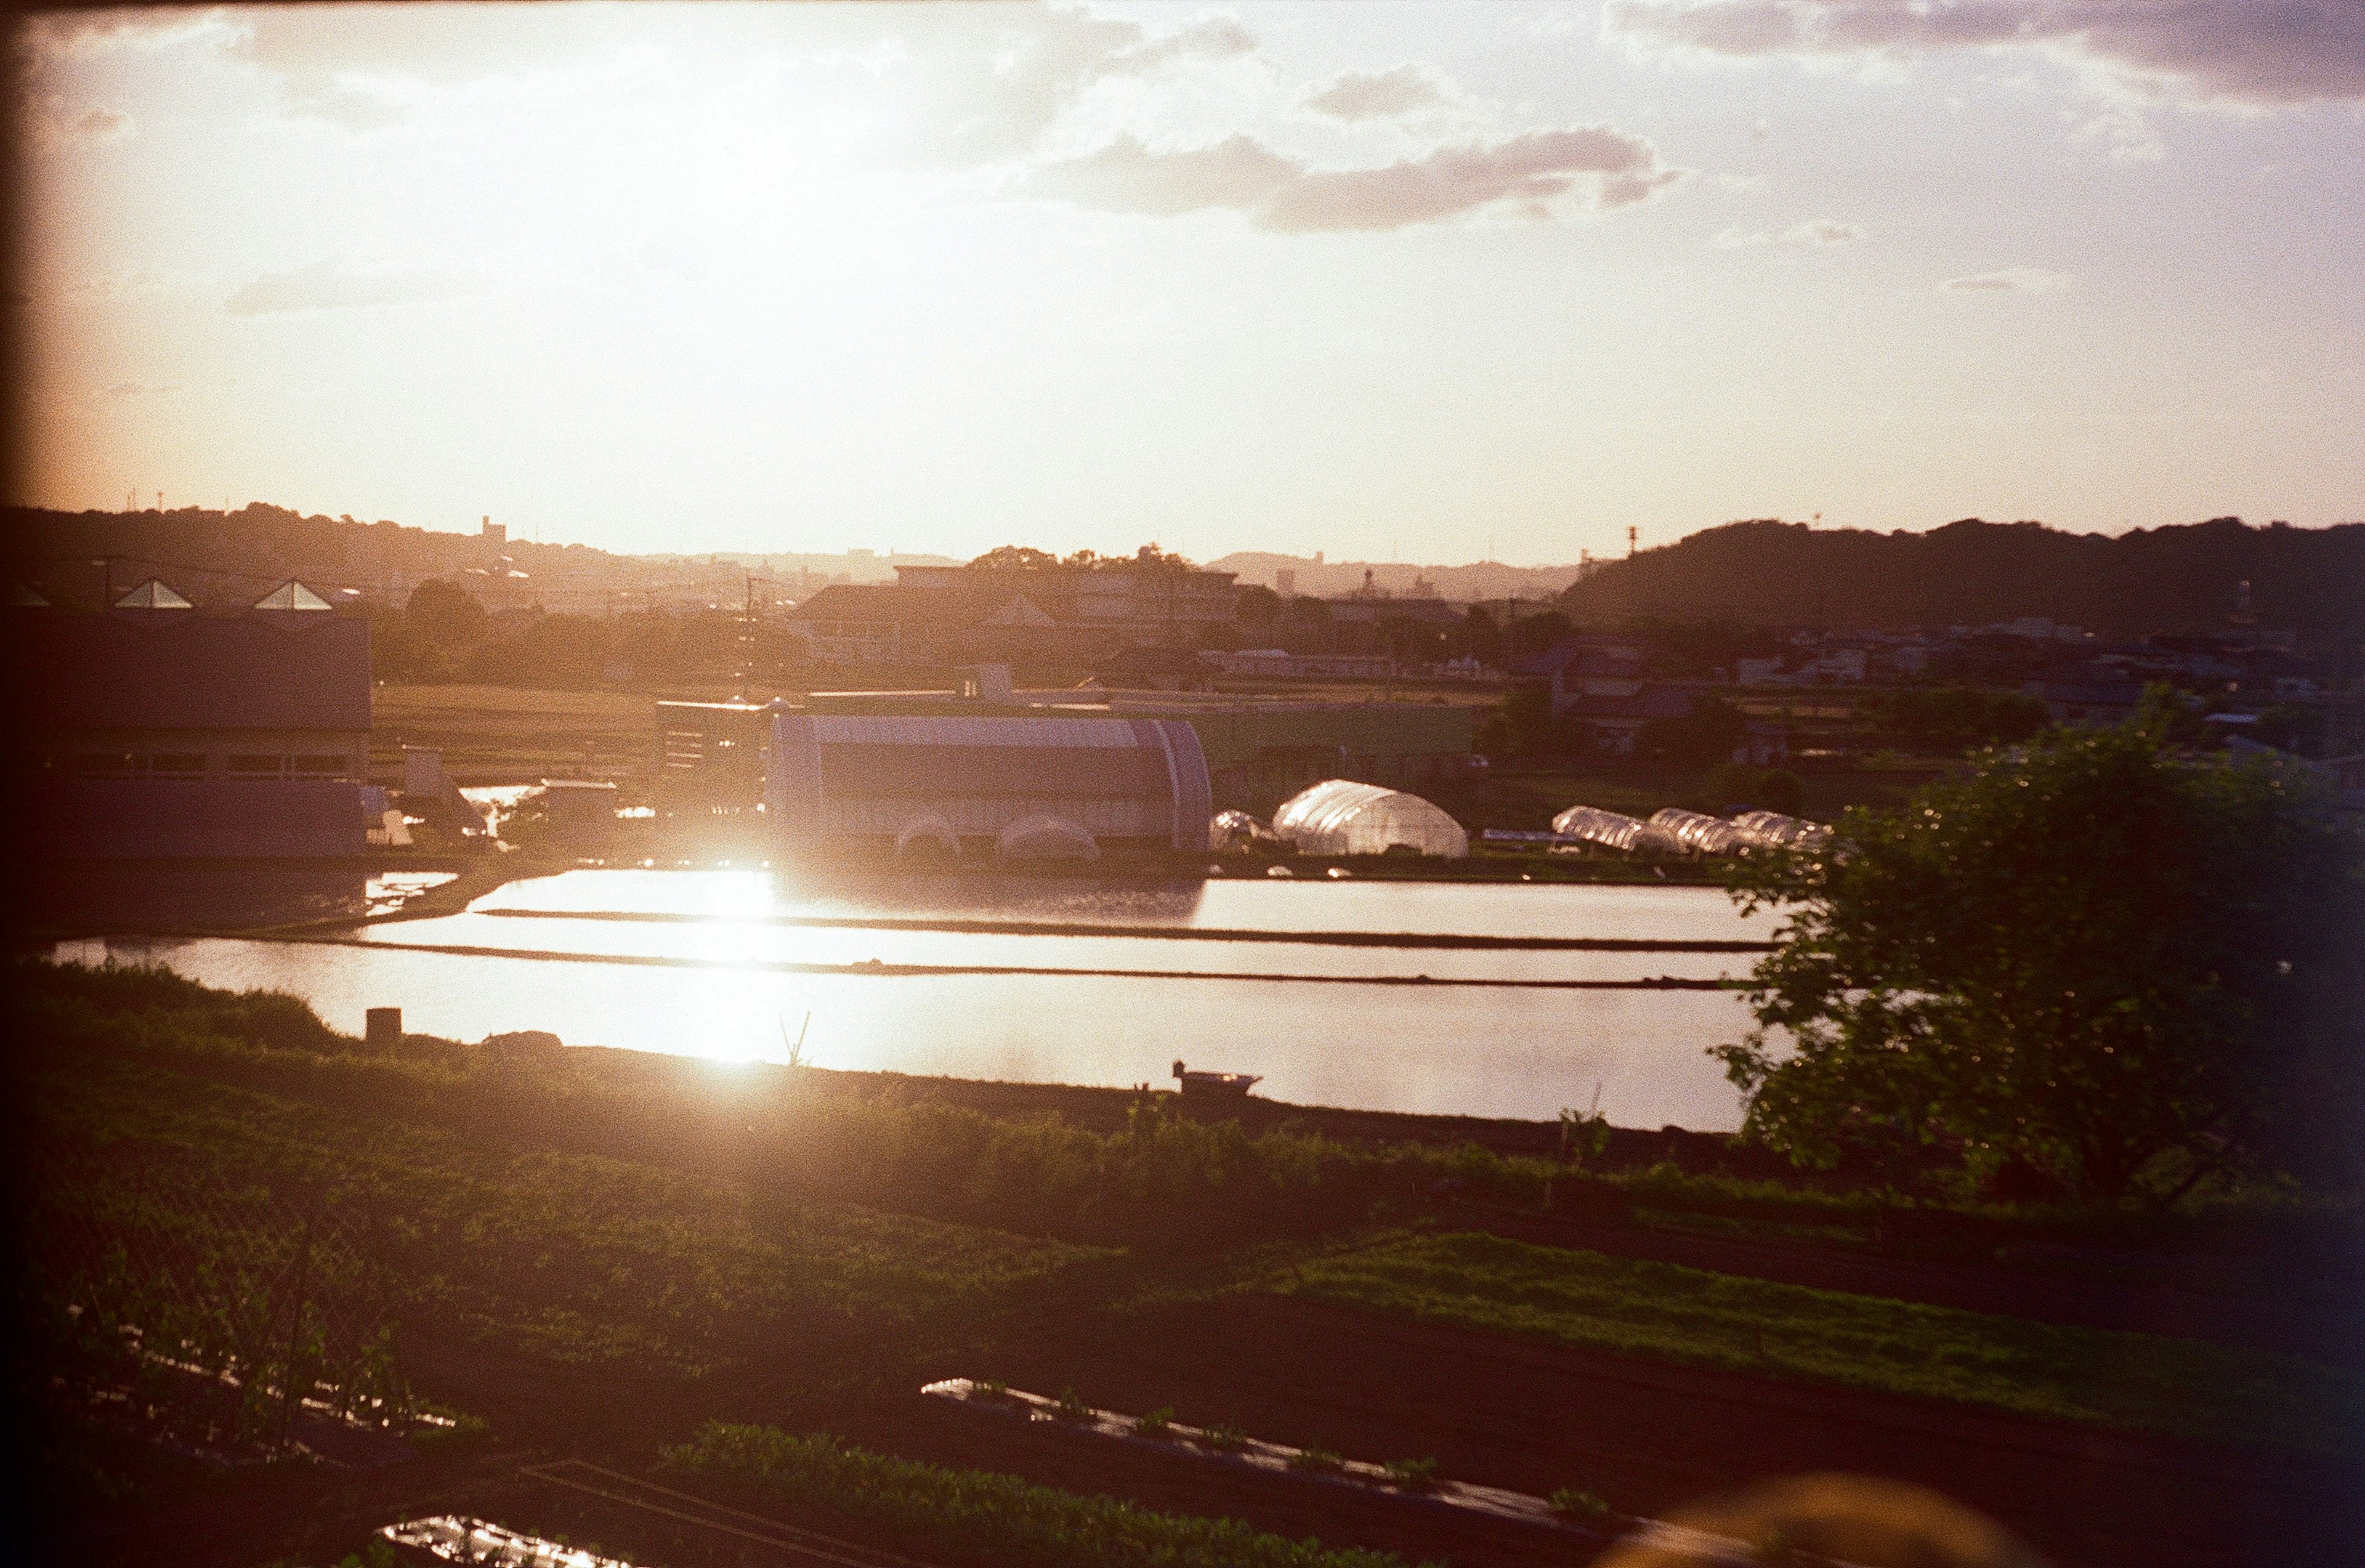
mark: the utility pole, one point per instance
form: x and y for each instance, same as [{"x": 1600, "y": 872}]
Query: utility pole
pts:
[{"x": 1633, "y": 537}]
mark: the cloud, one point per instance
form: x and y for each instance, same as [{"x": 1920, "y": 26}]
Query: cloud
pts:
[
  {"x": 1815, "y": 231},
  {"x": 2262, "y": 52},
  {"x": 986, "y": 83},
  {"x": 1825, "y": 232},
  {"x": 2009, "y": 280},
  {"x": 1283, "y": 195},
  {"x": 1376, "y": 95},
  {"x": 1127, "y": 176},
  {"x": 102, "y": 124},
  {"x": 128, "y": 284},
  {"x": 331, "y": 284}
]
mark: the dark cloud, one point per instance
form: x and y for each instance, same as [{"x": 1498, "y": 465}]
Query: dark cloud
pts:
[
  {"x": 329, "y": 284},
  {"x": 2255, "y": 52},
  {"x": 1283, "y": 193},
  {"x": 1375, "y": 94}
]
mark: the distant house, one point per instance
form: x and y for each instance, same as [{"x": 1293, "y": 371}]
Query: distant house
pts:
[
  {"x": 936, "y": 616},
  {"x": 2088, "y": 696},
  {"x": 1155, "y": 670},
  {"x": 1612, "y": 723},
  {"x": 158, "y": 730}
]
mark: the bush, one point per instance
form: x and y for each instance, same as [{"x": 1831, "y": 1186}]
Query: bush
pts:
[
  {"x": 1224, "y": 1438},
  {"x": 1570, "y": 1503},
  {"x": 975, "y": 1517},
  {"x": 1158, "y": 1423},
  {"x": 1412, "y": 1475},
  {"x": 1318, "y": 1460}
]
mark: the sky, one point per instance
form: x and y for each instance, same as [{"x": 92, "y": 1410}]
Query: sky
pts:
[{"x": 1408, "y": 282}]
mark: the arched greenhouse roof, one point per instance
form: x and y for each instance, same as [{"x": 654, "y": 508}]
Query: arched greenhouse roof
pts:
[
  {"x": 1340, "y": 817},
  {"x": 1613, "y": 830},
  {"x": 1775, "y": 829},
  {"x": 1701, "y": 834}
]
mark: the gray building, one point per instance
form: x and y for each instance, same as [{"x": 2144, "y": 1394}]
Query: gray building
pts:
[{"x": 167, "y": 731}]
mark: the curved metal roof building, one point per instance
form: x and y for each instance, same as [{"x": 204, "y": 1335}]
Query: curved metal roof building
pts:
[{"x": 893, "y": 782}]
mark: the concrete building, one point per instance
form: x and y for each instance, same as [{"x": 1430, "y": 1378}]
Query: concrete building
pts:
[
  {"x": 164, "y": 731},
  {"x": 936, "y": 616}
]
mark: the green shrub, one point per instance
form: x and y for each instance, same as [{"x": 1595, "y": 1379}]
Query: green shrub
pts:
[
  {"x": 1570, "y": 1503},
  {"x": 1072, "y": 1406},
  {"x": 1318, "y": 1460},
  {"x": 1412, "y": 1475},
  {"x": 976, "y": 1517},
  {"x": 1158, "y": 1423},
  {"x": 1224, "y": 1438}
]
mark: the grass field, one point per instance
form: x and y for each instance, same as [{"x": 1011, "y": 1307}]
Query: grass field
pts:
[
  {"x": 2135, "y": 1381},
  {"x": 567, "y": 1258},
  {"x": 970, "y": 1516}
]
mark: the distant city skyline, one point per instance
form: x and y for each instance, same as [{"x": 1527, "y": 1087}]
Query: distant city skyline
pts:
[{"x": 1387, "y": 284}]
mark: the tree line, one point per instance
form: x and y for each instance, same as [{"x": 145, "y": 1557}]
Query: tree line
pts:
[{"x": 2222, "y": 575}]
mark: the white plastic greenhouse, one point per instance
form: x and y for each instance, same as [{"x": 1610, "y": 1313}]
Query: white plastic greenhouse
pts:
[
  {"x": 1701, "y": 834},
  {"x": 1340, "y": 817},
  {"x": 1612, "y": 831},
  {"x": 1775, "y": 829}
]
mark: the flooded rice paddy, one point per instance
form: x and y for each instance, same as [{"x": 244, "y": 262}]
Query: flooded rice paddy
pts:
[{"x": 1497, "y": 999}]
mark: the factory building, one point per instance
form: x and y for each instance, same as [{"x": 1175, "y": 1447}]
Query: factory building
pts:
[
  {"x": 156, "y": 730},
  {"x": 1016, "y": 786}
]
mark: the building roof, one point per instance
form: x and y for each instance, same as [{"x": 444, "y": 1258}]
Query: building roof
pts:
[
  {"x": 1653, "y": 702},
  {"x": 964, "y": 605},
  {"x": 192, "y": 671}
]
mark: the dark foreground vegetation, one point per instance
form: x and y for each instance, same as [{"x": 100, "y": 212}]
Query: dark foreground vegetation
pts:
[
  {"x": 970, "y": 1517},
  {"x": 600, "y": 1251}
]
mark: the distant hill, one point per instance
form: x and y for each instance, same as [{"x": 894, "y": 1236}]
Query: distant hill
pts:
[
  {"x": 1333, "y": 579},
  {"x": 2186, "y": 578},
  {"x": 217, "y": 557}
]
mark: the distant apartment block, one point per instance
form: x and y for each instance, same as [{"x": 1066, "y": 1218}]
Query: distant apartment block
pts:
[
  {"x": 940, "y": 616},
  {"x": 156, "y": 729}
]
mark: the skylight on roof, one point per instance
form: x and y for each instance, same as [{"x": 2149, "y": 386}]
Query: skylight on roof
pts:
[
  {"x": 152, "y": 595},
  {"x": 292, "y": 595}
]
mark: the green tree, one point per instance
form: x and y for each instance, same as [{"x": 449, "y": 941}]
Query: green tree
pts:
[
  {"x": 2127, "y": 971},
  {"x": 1015, "y": 557},
  {"x": 446, "y": 614}
]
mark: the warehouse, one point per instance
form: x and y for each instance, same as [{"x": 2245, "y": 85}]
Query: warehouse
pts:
[
  {"x": 984, "y": 786},
  {"x": 156, "y": 729}
]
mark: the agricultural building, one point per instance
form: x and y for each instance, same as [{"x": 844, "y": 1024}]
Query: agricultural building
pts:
[
  {"x": 158, "y": 730},
  {"x": 1340, "y": 817},
  {"x": 1699, "y": 832},
  {"x": 1033, "y": 785}
]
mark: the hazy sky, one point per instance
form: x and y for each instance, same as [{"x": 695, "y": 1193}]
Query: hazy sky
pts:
[{"x": 1391, "y": 280}]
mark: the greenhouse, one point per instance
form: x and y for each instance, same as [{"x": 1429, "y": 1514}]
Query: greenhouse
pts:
[
  {"x": 1613, "y": 830},
  {"x": 1699, "y": 832},
  {"x": 1774, "y": 829},
  {"x": 1340, "y": 817},
  {"x": 1238, "y": 831}
]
